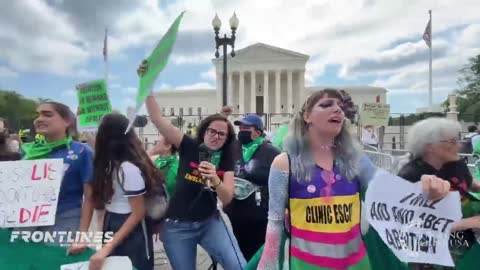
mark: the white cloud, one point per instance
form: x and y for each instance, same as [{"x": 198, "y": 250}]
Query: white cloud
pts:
[
  {"x": 165, "y": 86},
  {"x": 209, "y": 75},
  {"x": 128, "y": 102},
  {"x": 202, "y": 58},
  {"x": 69, "y": 93},
  {"x": 414, "y": 77},
  {"x": 130, "y": 90},
  {"x": 115, "y": 86},
  {"x": 200, "y": 85},
  {"x": 36, "y": 37},
  {"x": 388, "y": 61},
  {"x": 382, "y": 39},
  {"x": 7, "y": 73},
  {"x": 309, "y": 77}
]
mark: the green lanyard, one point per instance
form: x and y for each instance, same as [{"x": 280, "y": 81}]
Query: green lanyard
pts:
[
  {"x": 41, "y": 149},
  {"x": 249, "y": 149}
]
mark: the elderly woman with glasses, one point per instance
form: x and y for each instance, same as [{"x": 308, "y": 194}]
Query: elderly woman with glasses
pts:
[{"x": 434, "y": 150}]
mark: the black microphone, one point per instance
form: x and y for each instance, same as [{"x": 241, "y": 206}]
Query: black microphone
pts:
[{"x": 204, "y": 153}]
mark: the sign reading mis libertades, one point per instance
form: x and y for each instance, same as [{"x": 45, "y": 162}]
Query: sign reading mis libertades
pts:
[
  {"x": 375, "y": 114},
  {"x": 93, "y": 104},
  {"x": 415, "y": 229},
  {"x": 29, "y": 192}
]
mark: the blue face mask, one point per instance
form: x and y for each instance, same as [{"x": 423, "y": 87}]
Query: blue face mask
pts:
[{"x": 245, "y": 137}]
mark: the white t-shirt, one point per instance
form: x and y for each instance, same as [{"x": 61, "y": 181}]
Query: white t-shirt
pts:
[{"x": 133, "y": 184}]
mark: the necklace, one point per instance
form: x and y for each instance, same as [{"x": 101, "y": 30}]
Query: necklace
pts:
[{"x": 329, "y": 178}]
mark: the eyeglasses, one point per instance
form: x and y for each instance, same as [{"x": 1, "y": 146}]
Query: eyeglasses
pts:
[
  {"x": 212, "y": 133},
  {"x": 451, "y": 141}
]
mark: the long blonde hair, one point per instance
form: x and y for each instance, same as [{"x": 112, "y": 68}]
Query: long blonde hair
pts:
[{"x": 347, "y": 151}]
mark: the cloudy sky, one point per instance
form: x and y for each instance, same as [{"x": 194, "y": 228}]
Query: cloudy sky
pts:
[{"x": 49, "y": 46}]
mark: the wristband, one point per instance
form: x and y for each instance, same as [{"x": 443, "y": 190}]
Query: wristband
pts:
[{"x": 217, "y": 185}]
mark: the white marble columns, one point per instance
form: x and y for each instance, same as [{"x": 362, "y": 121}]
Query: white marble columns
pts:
[
  {"x": 241, "y": 90},
  {"x": 287, "y": 90},
  {"x": 278, "y": 96},
  {"x": 266, "y": 97},
  {"x": 253, "y": 92},
  {"x": 230, "y": 89}
]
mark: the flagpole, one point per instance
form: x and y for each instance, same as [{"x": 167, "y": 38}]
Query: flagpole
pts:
[
  {"x": 106, "y": 58},
  {"x": 430, "y": 97}
]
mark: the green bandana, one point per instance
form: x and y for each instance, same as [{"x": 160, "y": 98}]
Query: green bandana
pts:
[
  {"x": 476, "y": 172},
  {"x": 471, "y": 207},
  {"x": 216, "y": 156},
  {"x": 169, "y": 167},
  {"x": 249, "y": 149},
  {"x": 41, "y": 149}
]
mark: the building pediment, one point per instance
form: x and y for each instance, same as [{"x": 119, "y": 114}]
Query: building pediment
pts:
[{"x": 260, "y": 52}]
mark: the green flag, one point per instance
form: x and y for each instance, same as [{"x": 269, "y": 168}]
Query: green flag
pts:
[
  {"x": 93, "y": 104},
  {"x": 157, "y": 61}
]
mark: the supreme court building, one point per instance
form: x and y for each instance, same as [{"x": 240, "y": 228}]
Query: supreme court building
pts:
[{"x": 262, "y": 79}]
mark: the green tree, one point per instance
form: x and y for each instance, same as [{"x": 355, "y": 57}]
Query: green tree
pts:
[
  {"x": 469, "y": 81},
  {"x": 17, "y": 110}
]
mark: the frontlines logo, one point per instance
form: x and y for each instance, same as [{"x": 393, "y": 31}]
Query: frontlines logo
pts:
[{"x": 63, "y": 238}]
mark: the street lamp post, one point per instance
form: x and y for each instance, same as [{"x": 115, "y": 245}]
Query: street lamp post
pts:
[{"x": 225, "y": 41}]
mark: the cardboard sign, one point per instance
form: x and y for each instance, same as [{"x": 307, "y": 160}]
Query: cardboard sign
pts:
[
  {"x": 29, "y": 192},
  {"x": 375, "y": 114},
  {"x": 111, "y": 263},
  {"x": 415, "y": 229},
  {"x": 93, "y": 104}
]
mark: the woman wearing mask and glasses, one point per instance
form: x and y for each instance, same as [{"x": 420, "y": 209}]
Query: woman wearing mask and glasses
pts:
[{"x": 192, "y": 217}]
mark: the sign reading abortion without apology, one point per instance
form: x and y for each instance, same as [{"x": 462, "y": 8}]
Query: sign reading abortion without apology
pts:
[
  {"x": 29, "y": 192},
  {"x": 415, "y": 229}
]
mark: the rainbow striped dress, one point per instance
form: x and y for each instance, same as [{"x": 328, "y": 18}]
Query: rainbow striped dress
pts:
[{"x": 325, "y": 223}]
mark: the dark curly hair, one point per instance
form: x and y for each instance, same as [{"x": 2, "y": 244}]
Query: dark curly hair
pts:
[{"x": 229, "y": 149}]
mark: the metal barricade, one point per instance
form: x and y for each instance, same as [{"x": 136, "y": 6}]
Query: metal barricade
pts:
[{"x": 381, "y": 160}]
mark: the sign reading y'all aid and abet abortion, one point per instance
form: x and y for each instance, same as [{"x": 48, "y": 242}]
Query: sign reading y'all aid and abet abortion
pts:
[
  {"x": 415, "y": 229},
  {"x": 29, "y": 192}
]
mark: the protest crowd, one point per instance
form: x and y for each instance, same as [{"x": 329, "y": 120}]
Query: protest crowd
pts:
[
  {"x": 305, "y": 197},
  {"x": 278, "y": 198}
]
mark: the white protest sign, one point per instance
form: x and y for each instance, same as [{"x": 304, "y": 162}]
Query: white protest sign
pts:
[
  {"x": 375, "y": 114},
  {"x": 29, "y": 192},
  {"x": 415, "y": 229},
  {"x": 111, "y": 263}
]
